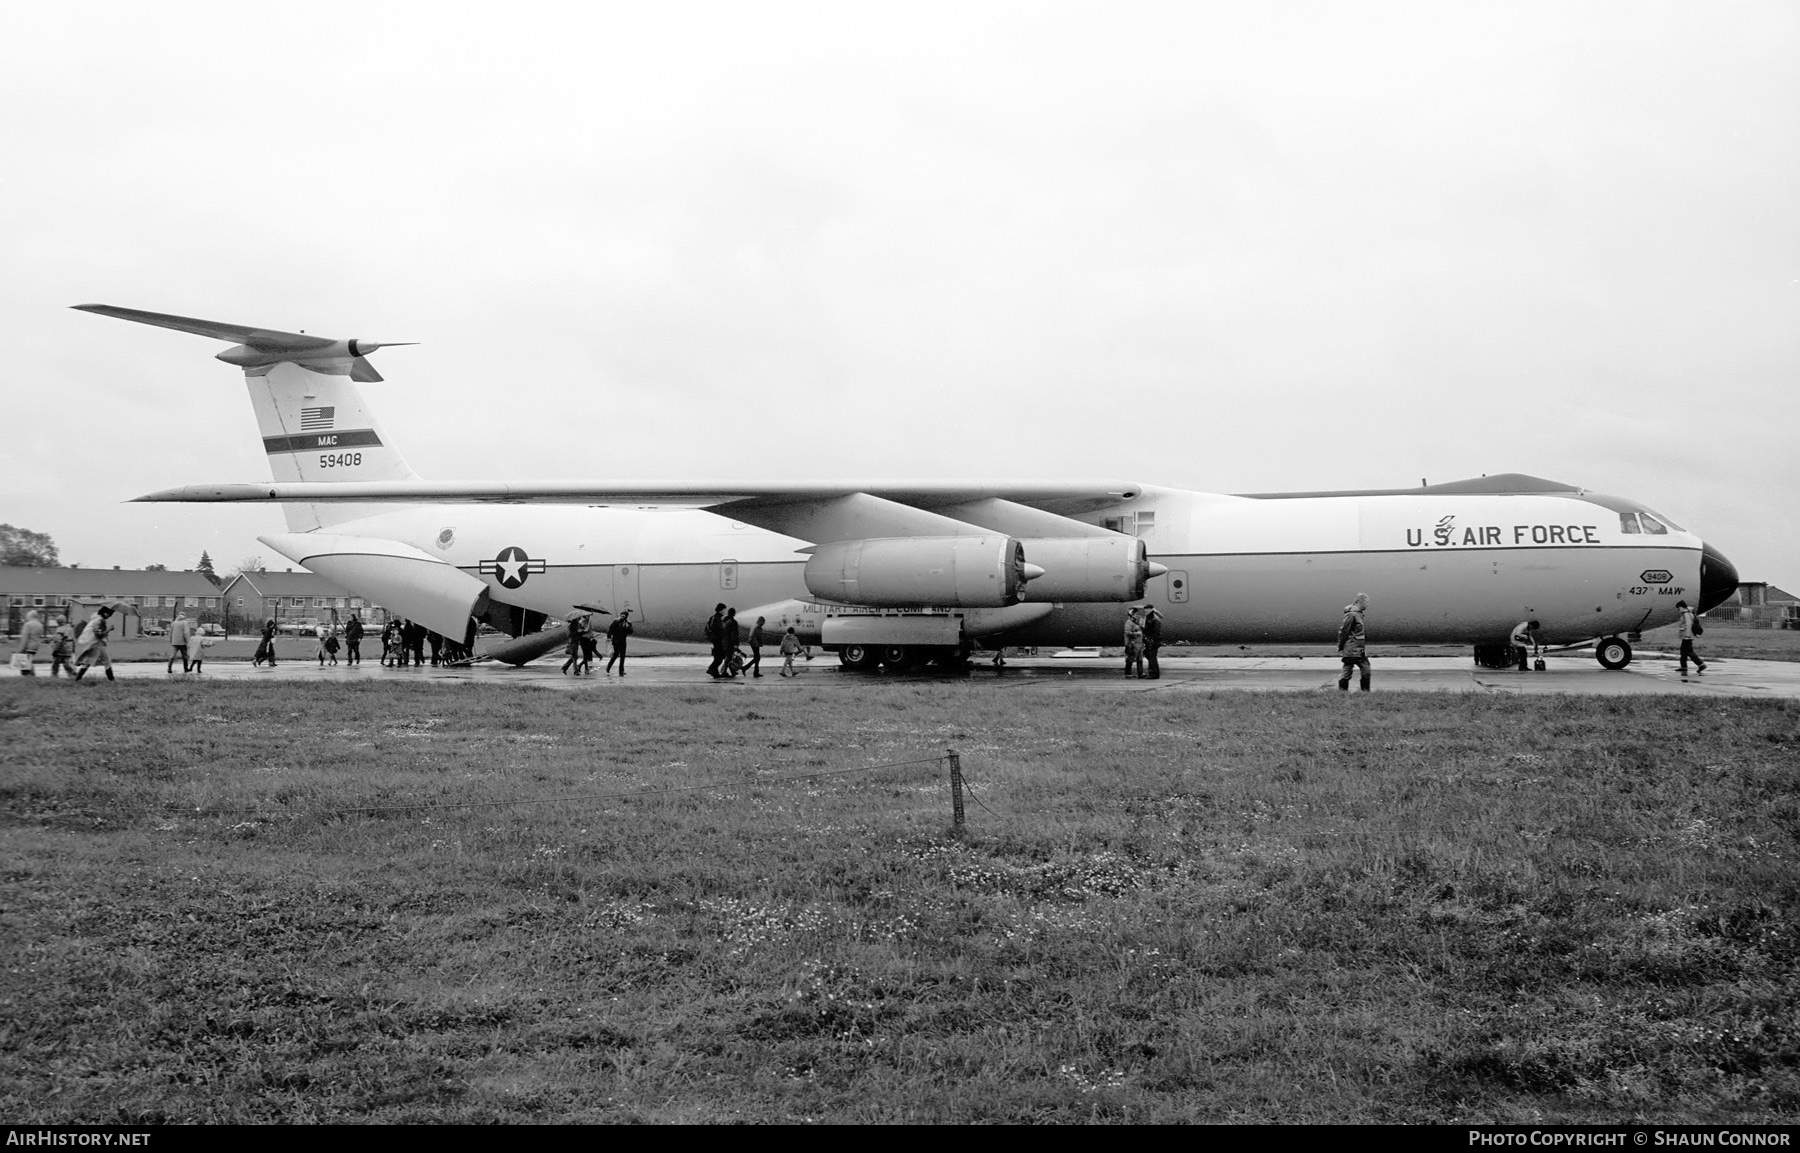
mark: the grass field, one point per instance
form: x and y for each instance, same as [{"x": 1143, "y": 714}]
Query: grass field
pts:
[{"x": 280, "y": 902}]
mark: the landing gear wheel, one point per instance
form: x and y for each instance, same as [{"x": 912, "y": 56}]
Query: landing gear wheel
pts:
[
  {"x": 859, "y": 658},
  {"x": 898, "y": 657},
  {"x": 1613, "y": 653}
]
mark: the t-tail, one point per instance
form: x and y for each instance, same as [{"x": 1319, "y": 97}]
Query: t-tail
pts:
[{"x": 314, "y": 422}]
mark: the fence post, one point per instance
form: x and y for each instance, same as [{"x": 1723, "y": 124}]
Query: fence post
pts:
[{"x": 956, "y": 786}]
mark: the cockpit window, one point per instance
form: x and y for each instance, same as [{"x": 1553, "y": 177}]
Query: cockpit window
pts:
[
  {"x": 1652, "y": 525},
  {"x": 1628, "y": 522}
]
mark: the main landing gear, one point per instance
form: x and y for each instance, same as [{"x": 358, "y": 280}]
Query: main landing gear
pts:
[{"x": 867, "y": 658}]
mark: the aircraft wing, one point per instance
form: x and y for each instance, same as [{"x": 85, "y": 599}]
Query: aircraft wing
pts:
[{"x": 1057, "y": 496}]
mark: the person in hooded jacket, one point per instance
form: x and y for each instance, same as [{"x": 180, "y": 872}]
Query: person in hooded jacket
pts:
[{"x": 1351, "y": 642}]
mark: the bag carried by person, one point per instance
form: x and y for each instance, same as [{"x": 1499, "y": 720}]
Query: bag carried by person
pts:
[
  {"x": 1699, "y": 628},
  {"x": 21, "y": 661}
]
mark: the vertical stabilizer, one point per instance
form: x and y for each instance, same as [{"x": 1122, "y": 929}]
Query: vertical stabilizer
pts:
[{"x": 315, "y": 425}]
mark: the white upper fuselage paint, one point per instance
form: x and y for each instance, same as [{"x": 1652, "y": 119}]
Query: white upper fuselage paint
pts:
[{"x": 1452, "y": 568}]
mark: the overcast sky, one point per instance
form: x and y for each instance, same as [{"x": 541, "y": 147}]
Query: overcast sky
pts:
[{"x": 1236, "y": 247}]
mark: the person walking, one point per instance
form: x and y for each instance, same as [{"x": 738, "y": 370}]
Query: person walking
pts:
[
  {"x": 577, "y": 630},
  {"x": 790, "y": 648},
  {"x": 197, "y": 642},
  {"x": 1134, "y": 644},
  {"x": 1152, "y": 640},
  {"x": 1690, "y": 628},
  {"x": 1352, "y": 642},
  {"x": 31, "y": 635},
  {"x": 93, "y": 644},
  {"x": 179, "y": 634},
  {"x": 715, "y": 634},
  {"x": 1524, "y": 639},
  {"x": 415, "y": 642},
  {"x": 323, "y": 632},
  {"x": 353, "y": 635},
  {"x": 756, "y": 644},
  {"x": 732, "y": 637},
  {"x": 62, "y": 648},
  {"x": 390, "y": 641},
  {"x": 616, "y": 633},
  {"x": 266, "y": 650}
]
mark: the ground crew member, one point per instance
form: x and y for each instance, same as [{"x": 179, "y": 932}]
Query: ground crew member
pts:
[{"x": 1524, "y": 638}]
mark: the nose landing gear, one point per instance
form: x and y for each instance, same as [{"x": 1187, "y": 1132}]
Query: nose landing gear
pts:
[{"x": 1613, "y": 652}]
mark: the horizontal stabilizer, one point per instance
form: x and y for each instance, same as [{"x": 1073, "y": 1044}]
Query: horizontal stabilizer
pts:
[{"x": 267, "y": 339}]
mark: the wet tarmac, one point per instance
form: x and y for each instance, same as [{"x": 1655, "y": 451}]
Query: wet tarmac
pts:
[{"x": 1648, "y": 673}]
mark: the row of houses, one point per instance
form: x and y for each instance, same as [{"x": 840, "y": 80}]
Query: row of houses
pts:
[
  {"x": 1760, "y": 605},
  {"x": 152, "y": 597}
]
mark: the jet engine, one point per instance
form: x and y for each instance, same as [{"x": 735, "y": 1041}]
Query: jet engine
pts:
[
  {"x": 1085, "y": 569},
  {"x": 950, "y": 571}
]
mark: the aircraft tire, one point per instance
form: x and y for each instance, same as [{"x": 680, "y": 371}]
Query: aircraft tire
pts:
[
  {"x": 898, "y": 656},
  {"x": 1613, "y": 652},
  {"x": 859, "y": 658}
]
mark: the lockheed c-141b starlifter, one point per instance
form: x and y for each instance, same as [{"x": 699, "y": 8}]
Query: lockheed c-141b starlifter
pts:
[{"x": 901, "y": 572}]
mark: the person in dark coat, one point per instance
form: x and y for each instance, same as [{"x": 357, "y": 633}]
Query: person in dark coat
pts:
[
  {"x": 266, "y": 650},
  {"x": 1351, "y": 641},
  {"x": 353, "y": 634},
  {"x": 733, "y": 635},
  {"x": 578, "y": 632},
  {"x": 616, "y": 634},
  {"x": 715, "y": 632},
  {"x": 1152, "y": 641},
  {"x": 756, "y": 644}
]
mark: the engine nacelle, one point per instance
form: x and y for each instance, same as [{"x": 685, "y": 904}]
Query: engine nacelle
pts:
[
  {"x": 985, "y": 570},
  {"x": 1088, "y": 568}
]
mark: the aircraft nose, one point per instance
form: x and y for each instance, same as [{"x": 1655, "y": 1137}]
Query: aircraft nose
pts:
[{"x": 1718, "y": 577}]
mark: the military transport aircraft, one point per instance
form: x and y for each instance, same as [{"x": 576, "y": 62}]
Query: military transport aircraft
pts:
[{"x": 897, "y": 572}]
